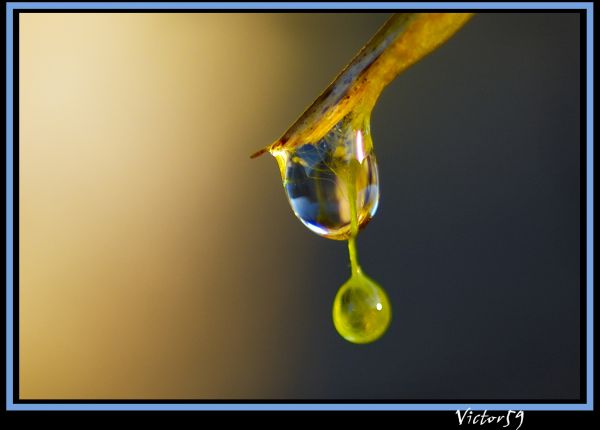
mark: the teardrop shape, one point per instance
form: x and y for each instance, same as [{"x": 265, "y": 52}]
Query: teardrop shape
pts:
[
  {"x": 316, "y": 178},
  {"x": 361, "y": 310}
]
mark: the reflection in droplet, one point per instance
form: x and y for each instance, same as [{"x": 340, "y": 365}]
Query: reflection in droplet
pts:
[{"x": 316, "y": 178}]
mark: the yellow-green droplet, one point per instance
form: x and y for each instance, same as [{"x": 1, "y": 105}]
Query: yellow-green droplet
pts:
[{"x": 361, "y": 310}]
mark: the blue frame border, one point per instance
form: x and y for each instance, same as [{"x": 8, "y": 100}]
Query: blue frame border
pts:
[{"x": 10, "y": 405}]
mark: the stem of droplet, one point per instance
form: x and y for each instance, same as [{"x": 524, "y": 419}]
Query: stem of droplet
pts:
[{"x": 354, "y": 266}]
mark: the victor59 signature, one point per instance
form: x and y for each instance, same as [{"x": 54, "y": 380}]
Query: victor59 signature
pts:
[{"x": 468, "y": 417}]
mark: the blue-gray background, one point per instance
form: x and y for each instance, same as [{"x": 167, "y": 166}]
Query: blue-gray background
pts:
[{"x": 477, "y": 237}]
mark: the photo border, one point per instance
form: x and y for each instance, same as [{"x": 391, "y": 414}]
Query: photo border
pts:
[{"x": 12, "y": 400}]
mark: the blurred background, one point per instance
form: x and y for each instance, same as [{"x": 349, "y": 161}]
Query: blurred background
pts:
[{"x": 158, "y": 261}]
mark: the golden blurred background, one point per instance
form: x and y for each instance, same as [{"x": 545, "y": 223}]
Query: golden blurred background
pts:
[{"x": 152, "y": 249}]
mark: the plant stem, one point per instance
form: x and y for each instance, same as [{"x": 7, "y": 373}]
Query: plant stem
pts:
[{"x": 402, "y": 41}]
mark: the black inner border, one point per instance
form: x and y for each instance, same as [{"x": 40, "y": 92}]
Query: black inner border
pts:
[{"x": 583, "y": 213}]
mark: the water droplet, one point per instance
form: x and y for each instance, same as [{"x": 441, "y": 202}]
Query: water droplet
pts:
[
  {"x": 317, "y": 177},
  {"x": 333, "y": 188},
  {"x": 361, "y": 310}
]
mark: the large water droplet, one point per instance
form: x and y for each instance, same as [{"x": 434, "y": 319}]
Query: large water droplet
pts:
[
  {"x": 361, "y": 310},
  {"x": 316, "y": 178}
]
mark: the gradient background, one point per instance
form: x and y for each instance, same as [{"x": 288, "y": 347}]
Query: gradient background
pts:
[{"x": 158, "y": 261}]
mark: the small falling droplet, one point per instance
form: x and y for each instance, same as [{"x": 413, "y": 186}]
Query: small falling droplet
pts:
[
  {"x": 316, "y": 181},
  {"x": 361, "y": 310}
]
